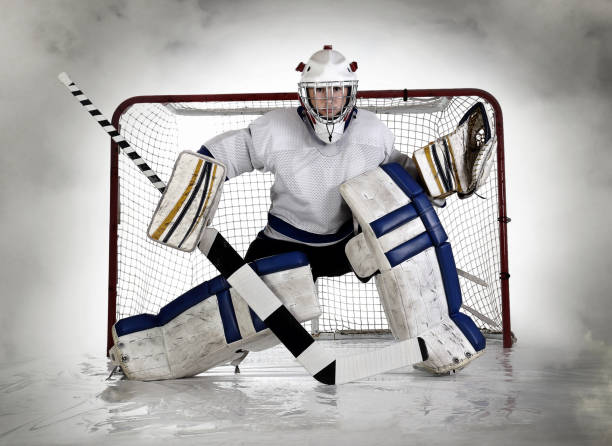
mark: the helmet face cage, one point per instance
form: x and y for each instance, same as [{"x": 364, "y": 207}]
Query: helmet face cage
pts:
[{"x": 329, "y": 103}]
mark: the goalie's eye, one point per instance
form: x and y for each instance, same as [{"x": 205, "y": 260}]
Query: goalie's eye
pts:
[{"x": 328, "y": 90}]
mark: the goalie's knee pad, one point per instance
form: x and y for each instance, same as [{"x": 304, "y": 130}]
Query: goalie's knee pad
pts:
[
  {"x": 403, "y": 239},
  {"x": 210, "y": 324}
]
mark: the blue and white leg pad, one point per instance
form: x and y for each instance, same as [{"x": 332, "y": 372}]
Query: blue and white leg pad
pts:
[
  {"x": 210, "y": 324},
  {"x": 403, "y": 240}
]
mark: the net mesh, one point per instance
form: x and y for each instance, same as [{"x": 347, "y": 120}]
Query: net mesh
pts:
[{"x": 150, "y": 275}]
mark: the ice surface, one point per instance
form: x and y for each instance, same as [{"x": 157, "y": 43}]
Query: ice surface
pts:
[{"x": 518, "y": 396}]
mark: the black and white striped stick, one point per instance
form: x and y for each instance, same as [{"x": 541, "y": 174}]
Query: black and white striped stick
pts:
[
  {"x": 113, "y": 132},
  {"x": 316, "y": 360}
]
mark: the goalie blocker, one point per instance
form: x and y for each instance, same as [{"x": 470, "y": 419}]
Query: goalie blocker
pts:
[
  {"x": 189, "y": 201},
  {"x": 404, "y": 242}
]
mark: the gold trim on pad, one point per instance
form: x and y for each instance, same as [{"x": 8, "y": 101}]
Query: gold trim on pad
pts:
[
  {"x": 162, "y": 227},
  {"x": 432, "y": 167}
]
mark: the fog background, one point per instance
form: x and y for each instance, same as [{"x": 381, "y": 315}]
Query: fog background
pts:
[{"x": 549, "y": 64}]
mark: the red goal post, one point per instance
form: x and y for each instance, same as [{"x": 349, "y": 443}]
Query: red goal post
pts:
[{"x": 144, "y": 276}]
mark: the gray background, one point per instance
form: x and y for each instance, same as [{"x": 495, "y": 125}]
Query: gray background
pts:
[{"x": 549, "y": 63}]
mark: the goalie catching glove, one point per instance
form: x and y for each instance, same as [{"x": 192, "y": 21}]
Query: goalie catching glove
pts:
[
  {"x": 189, "y": 201},
  {"x": 404, "y": 241},
  {"x": 460, "y": 161}
]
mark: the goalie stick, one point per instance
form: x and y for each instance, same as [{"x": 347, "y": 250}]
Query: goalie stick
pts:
[
  {"x": 322, "y": 365},
  {"x": 113, "y": 132}
]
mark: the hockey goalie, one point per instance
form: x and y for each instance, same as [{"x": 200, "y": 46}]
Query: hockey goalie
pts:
[{"x": 343, "y": 200}]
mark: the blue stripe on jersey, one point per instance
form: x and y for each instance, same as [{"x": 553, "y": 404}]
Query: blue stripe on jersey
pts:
[{"x": 300, "y": 235}]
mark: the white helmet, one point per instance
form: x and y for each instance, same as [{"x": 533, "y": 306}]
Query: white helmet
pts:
[{"x": 328, "y": 89}]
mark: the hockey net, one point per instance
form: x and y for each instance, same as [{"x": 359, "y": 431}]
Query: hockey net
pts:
[{"x": 144, "y": 276}]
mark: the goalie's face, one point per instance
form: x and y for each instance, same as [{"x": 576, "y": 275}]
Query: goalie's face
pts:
[
  {"x": 328, "y": 101},
  {"x": 328, "y": 105}
]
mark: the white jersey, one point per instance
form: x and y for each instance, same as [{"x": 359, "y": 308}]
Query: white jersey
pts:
[{"x": 306, "y": 202}]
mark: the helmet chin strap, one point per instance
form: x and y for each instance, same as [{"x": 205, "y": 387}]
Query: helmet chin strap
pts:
[{"x": 323, "y": 131}]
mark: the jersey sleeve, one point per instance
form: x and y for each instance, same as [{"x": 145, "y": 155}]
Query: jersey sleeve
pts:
[
  {"x": 234, "y": 149},
  {"x": 386, "y": 138}
]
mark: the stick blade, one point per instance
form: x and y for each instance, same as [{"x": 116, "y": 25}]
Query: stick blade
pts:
[{"x": 400, "y": 354}]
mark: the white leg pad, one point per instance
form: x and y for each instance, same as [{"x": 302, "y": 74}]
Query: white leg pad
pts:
[
  {"x": 412, "y": 300},
  {"x": 417, "y": 280},
  {"x": 188, "y": 338}
]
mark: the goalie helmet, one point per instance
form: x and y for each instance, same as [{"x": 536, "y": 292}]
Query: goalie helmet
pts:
[{"x": 328, "y": 90}]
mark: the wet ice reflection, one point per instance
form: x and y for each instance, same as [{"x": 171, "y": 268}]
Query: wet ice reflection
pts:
[{"x": 518, "y": 396}]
